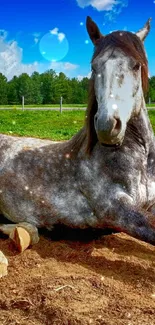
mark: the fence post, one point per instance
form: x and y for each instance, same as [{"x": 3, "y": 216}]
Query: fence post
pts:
[
  {"x": 23, "y": 103},
  {"x": 149, "y": 100},
  {"x": 61, "y": 104}
]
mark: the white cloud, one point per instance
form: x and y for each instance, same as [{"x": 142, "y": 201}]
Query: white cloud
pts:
[
  {"x": 80, "y": 77},
  {"x": 81, "y": 24},
  {"x": 36, "y": 37},
  {"x": 55, "y": 31},
  {"x": 36, "y": 40},
  {"x": 11, "y": 59},
  {"x": 11, "y": 64},
  {"x": 63, "y": 66},
  {"x": 116, "y": 10},
  {"x": 97, "y": 4},
  {"x": 70, "y": 66},
  {"x": 61, "y": 36},
  {"x": 86, "y": 41},
  {"x": 112, "y": 7}
]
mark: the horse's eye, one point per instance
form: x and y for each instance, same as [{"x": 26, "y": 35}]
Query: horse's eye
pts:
[
  {"x": 93, "y": 70},
  {"x": 136, "y": 66}
]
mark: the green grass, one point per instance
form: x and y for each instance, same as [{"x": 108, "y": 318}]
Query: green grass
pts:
[
  {"x": 46, "y": 124},
  {"x": 42, "y": 124},
  {"x": 44, "y": 105},
  {"x": 150, "y": 105},
  {"x": 14, "y": 107},
  {"x": 152, "y": 118}
]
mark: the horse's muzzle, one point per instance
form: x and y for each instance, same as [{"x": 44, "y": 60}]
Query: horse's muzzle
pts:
[{"x": 108, "y": 130}]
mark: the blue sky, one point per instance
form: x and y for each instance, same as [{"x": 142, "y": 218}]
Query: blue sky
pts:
[{"x": 39, "y": 35}]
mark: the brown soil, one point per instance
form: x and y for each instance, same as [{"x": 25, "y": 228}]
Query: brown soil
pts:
[{"x": 104, "y": 281}]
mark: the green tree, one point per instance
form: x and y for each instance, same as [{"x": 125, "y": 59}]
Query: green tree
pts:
[
  {"x": 12, "y": 91},
  {"x": 62, "y": 88},
  {"x": 36, "y": 88},
  {"x": 74, "y": 90},
  {"x": 48, "y": 87},
  {"x": 3, "y": 90},
  {"x": 84, "y": 86},
  {"x": 79, "y": 91},
  {"x": 25, "y": 88},
  {"x": 152, "y": 88}
]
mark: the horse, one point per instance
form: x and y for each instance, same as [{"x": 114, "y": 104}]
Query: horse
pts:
[{"x": 104, "y": 176}]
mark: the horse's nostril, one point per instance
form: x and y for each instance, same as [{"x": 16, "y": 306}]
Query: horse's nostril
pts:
[
  {"x": 117, "y": 127},
  {"x": 118, "y": 124}
]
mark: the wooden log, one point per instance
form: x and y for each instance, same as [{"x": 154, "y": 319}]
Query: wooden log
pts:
[
  {"x": 3, "y": 265},
  {"x": 21, "y": 238}
]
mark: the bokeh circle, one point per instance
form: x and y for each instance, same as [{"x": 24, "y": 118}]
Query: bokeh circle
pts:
[{"x": 54, "y": 47}]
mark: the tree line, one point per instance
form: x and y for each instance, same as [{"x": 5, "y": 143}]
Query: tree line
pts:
[
  {"x": 151, "y": 92},
  {"x": 45, "y": 88},
  {"x": 48, "y": 87}
]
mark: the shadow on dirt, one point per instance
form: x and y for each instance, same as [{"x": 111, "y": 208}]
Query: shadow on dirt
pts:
[
  {"x": 109, "y": 254},
  {"x": 61, "y": 232},
  {"x": 116, "y": 256}
]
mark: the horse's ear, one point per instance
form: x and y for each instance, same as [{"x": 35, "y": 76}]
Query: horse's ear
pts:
[
  {"x": 142, "y": 33},
  {"x": 93, "y": 31}
]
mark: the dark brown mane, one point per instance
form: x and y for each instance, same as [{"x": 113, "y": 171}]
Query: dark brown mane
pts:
[{"x": 131, "y": 45}]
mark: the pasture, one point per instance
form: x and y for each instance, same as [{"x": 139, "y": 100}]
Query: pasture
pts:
[
  {"x": 44, "y": 106},
  {"x": 46, "y": 124},
  {"x": 42, "y": 124}
]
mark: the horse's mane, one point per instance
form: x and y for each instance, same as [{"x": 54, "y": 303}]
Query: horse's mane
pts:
[{"x": 131, "y": 45}]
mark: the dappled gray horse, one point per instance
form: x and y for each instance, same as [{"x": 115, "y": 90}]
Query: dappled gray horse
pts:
[{"x": 104, "y": 177}]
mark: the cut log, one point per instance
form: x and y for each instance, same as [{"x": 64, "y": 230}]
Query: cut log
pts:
[
  {"x": 23, "y": 234},
  {"x": 3, "y": 265},
  {"x": 21, "y": 238}
]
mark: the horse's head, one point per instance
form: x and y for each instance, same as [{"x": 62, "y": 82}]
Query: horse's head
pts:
[{"x": 119, "y": 77}]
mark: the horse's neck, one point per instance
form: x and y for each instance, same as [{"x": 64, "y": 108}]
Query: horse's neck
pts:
[{"x": 141, "y": 127}]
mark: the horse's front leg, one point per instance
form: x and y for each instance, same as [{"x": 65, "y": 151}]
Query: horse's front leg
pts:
[{"x": 137, "y": 223}]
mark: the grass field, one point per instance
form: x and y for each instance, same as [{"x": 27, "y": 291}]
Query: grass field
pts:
[
  {"x": 46, "y": 124},
  {"x": 43, "y": 124},
  {"x": 44, "y": 105},
  {"x": 54, "y": 106},
  {"x": 150, "y": 105}
]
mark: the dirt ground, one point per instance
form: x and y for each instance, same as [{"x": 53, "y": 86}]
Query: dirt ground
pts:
[{"x": 72, "y": 278}]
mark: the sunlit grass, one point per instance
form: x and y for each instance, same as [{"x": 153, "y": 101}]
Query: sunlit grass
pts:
[
  {"x": 54, "y": 106},
  {"x": 152, "y": 118},
  {"x": 42, "y": 124},
  {"x": 44, "y": 105},
  {"x": 46, "y": 124}
]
